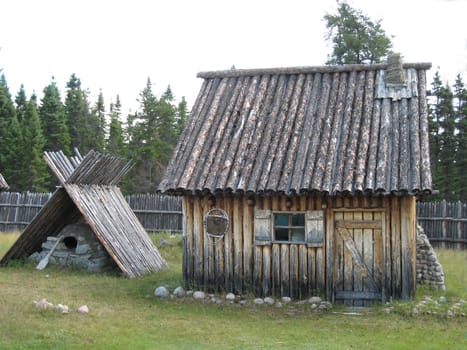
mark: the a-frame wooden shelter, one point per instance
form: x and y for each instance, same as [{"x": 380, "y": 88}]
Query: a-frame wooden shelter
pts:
[{"x": 89, "y": 191}]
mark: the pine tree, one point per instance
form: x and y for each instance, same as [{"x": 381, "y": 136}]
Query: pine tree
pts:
[
  {"x": 10, "y": 136},
  {"x": 444, "y": 169},
  {"x": 152, "y": 134},
  {"x": 115, "y": 142},
  {"x": 182, "y": 116},
  {"x": 98, "y": 124},
  {"x": 78, "y": 117},
  {"x": 36, "y": 176},
  {"x": 355, "y": 37},
  {"x": 52, "y": 116},
  {"x": 460, "y": 93}
]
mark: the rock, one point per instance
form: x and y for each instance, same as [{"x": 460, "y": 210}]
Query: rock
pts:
[
  {"x": 62, "y": 308},
  {"x": 243, "y": 302},
  {"x": 43, "y": 304},
  {"x": 198, "y": 295},
  {"x": 286, "y": 300},
  {"x": 161, "y": 292},
  {"x": 269, "y": 301},
  {"x": 450, "y": 313},
  {"x": 414, "y": 311},
  {"x": 326, "y": 304},
  {"x": 163, "y": 242},
  {"x": 442, "y": 300},
  {"x": 314, "y": 300},
  {"x": 278, "y": 304},
  {"x": 179, "y": 292},
  {"x": 83, "y": 309},
  {"x": 258, "y": 301},
  {"x": 313, "y": 306},
  {"x": 230, "y": 297}
]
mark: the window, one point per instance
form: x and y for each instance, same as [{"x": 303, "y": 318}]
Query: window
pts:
[{"x": 289, "y": 227}]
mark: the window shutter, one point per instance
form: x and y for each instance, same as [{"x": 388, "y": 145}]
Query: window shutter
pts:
[
  {"x": 314, "y": 228},
  {"x": 263, "y": 227}
]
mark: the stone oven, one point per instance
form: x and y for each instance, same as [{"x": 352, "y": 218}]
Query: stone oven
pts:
[{"x": 78, "y": 247}]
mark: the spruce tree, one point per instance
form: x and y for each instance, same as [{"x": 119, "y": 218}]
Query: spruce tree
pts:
[
  {"x": 460, "y": 94},
  {"x": 355, "y": 37},
  {"x": 97, "y": 124},
  {"x": 115, "y": 142},
  {"x": 52, "y": 116},
  {"x": 10, "y": 135},
  {"x": 78, "y": 117},
  {"x": 37, "y": 178}
]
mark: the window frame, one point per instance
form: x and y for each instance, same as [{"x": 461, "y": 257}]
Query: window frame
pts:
[{"x": 289, "y": 227}]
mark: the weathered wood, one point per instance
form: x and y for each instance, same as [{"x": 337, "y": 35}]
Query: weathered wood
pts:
[
  {"x": 238, "y": 243},
  {"x": 355, "y": 295},
  {"x": 285, "y": 270},
  {"x": 395, "y": 247},
  {"x": 266, "y": 280},
  {"x": 198, "y": 242},
  {"x": 276, "y": 269},
  {"x": 408, "y": 241},
  {"x": 188, "y": 243}
]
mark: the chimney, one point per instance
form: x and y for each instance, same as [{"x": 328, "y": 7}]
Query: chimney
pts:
[{"x": 395, "y": 72}]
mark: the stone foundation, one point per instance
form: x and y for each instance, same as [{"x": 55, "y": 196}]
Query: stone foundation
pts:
[
  {"x": 429, "y": 270},
  {"x": 78, "y": 247}
]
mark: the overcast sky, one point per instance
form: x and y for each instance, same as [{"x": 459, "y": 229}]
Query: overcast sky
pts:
[{"x": 116, "y": 45}]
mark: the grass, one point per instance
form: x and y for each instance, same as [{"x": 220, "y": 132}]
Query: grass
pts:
[{"x": 125, "y": 315}]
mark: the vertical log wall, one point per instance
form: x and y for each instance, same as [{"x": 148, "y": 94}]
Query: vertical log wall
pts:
[{"x": 236, "y": 264}]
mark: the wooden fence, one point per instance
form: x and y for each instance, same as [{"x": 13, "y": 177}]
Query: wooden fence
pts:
[
  {"x": 156, "y": 213},
  {"x": 445, "y": 223}
]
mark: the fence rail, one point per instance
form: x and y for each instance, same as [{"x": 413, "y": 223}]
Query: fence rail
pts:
[
  {"x": 445, "y": 223},
  {"x": 155, "y": 212}
]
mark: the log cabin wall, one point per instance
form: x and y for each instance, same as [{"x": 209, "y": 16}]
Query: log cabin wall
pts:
[{"x": 242, "y": 263}]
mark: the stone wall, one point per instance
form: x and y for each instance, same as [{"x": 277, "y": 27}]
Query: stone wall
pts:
[
  {"x": 429, "y": 270},
  {"x": 78, "y": 247}
]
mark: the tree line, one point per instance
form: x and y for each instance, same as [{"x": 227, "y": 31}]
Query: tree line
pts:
[{"x": 28, "y": 127}]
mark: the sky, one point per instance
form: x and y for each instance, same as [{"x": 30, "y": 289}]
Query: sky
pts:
[{"x": 115, "y": 46}]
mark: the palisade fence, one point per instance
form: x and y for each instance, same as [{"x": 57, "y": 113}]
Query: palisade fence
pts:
[
  {"x": 445, "y": 223},
  {"x": 156, "y": 213}
]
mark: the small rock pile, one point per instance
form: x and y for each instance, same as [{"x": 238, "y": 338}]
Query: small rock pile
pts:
[
  {"x": 44, "y": 304},
  {"x": 429, "y": 270},
  {"x": 315, "y": 302}
]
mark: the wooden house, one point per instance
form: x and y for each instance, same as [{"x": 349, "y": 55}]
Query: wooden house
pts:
[
  {"x": 89, "y": 195},
  {"x": 315, "y": 173}
]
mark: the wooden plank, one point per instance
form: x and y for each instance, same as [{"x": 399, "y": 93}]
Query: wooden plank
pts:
[
  {"x": 359, "y": 239},
  {"x": 276, "y": 269},
  {"x": 237, "y": 224},
  {"x": 320, "y": 276},
  {"x": 228, "y": 251},
  {"x": 350, "y": 254},
  {"x": 266, "y": 271},
  {"x": 285, "y": 270},
  {"x": 359, "y": 224},
  {"x": 258, "y": 271},
  {"x": 311, "y": 269},
  {"x": 247, "y": 244},
  {"x": 302, "y": 271},
  {"x": 408, "y": 242},
  {"x": 188, "y": 242},
  {"x": 293, "y": 272},
  {"x": 352, "y": 295},
  {"x": 378, "y": 256},
  {"x": 395, "y": 233}
]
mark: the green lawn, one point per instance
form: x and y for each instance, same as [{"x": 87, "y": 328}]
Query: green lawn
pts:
[{"x": 125, "y": 315}]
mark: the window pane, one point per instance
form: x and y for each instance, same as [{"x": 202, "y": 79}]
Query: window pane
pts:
[
  {"x": 282, "y": 234},
  {"x": 281, "y": 220},
  {"x": 298, "y": 219},
  {"x": 298, "y": 235}
]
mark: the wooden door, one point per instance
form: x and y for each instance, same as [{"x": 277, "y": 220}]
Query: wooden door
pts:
[{"x": 358, "y": 264}]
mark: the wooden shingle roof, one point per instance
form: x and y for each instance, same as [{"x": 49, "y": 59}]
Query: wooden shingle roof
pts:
[
  {"x": 329, "y": 129},
  {"x": 89, "y": 191}
]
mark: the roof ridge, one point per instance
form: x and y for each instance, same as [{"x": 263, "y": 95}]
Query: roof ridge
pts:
[{"x": 304, "y": 70}]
